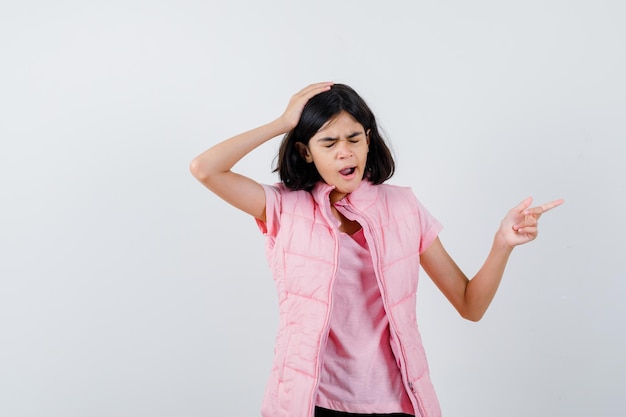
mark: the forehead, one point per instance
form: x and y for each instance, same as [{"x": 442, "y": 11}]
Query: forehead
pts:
[{"x": 340, "y": 123}]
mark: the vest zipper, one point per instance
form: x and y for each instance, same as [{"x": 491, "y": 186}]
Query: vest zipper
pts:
[
  {"x": 326, "y": 329},
  {"x": 392, "y": 325}
]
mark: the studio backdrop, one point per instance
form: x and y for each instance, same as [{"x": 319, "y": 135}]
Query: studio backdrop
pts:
[{"x": 127, "y": 289}]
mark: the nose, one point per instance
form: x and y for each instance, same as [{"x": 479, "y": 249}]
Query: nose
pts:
[{"x": 343, "y": 149}]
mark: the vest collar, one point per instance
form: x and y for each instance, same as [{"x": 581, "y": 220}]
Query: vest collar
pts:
[{"x": 361, "y": 198}]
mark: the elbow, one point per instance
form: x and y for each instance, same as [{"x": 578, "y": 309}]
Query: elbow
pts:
[
  {"x": 474, "y": 316},
  {"x": 196, "y": 169},
  {"x": 206, "y": 172}
]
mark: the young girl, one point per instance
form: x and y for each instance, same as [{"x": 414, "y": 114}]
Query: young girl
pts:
[{"x": 345, "y": 251}]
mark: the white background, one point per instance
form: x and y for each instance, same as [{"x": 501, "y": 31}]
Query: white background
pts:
[{"x": 127, "y": 289}]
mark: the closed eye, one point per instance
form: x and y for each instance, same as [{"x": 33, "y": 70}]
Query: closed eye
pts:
[
  {"x": 355, "y": 137},
  {"x": 328, "y": 142}
]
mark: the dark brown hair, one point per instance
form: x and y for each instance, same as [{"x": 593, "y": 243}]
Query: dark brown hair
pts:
[{"x": 297, "y": 174}]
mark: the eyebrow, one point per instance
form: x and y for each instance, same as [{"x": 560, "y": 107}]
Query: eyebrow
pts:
[{"x": 330, "y": 139}]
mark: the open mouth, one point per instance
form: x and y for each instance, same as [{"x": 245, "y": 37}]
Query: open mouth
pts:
[{"x": 347, "y": 171}]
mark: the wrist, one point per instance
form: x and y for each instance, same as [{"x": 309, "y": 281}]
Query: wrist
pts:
[
  {"x": 500, "y": 243},
  {"x": 284, "y": 124},
  {"x": 272, "y": 129}
]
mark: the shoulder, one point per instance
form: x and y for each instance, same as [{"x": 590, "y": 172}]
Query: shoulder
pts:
[
  {"x": 392, "y": 189},
  {"x": 381, "y": 195},
  {"x": 280, "y": 189},
  {"x": 400, "y": 199},
  {"x": 286, "y": 197},
  {"x": 395, "y": 193},
  {"x": 281, "y": 202},
  {"x": 404, "y": 204}
]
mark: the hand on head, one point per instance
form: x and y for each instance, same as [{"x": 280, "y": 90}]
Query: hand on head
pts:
[{"x": 292, "y": 113}]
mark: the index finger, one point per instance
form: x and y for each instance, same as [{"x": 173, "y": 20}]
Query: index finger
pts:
[{"x": 544, "y": 207}]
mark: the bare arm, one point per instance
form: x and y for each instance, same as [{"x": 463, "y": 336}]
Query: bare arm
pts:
[
  {"x": 213, "y": 167},
  {"x": 472, "y": 297}
]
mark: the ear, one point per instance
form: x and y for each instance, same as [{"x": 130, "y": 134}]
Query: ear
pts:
[
  {"x": 304, "y": 152},
  {"x": 367, "y": 137}
]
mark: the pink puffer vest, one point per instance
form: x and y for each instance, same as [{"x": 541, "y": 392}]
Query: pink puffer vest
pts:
[{"x": 302, "y": 246}]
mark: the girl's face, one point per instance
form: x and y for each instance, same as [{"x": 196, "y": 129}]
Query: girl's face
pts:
[{"x": 339, "y": 152}]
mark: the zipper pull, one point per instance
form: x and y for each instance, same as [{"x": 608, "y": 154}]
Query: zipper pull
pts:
[{"x": 411, "y": 387}]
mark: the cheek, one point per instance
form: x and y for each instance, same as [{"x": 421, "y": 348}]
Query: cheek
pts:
[
  {"x": 364, "y": 153},
  {"x": 322, "y": 159},
  {"x": 324, "y": 167}
]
